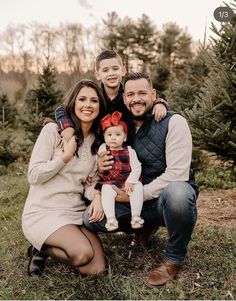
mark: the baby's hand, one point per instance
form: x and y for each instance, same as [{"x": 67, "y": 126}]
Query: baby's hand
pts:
[{"x": 129, "y": 187}]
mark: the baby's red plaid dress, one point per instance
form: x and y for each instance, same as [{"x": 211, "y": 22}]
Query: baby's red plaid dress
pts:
[{"x": 120, "y": 170}]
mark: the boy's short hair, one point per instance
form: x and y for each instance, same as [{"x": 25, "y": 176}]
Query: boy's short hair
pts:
[
  {"x": 136, "y": 76},
  {"x": 107, "y": 54}
]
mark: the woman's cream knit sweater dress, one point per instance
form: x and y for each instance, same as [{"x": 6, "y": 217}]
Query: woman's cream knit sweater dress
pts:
[{"x": 54, "y": 197}]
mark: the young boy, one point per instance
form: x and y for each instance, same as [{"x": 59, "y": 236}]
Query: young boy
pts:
[{"x": 109, "y": 70}]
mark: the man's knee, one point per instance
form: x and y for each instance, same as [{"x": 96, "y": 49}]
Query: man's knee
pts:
[
  {"x": 179, "y": 191},
  {"x": 179, "y": 196}
]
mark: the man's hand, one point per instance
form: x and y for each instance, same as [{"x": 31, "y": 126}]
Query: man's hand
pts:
[
  {"x": 121, "y": 197},
  {"x": 160, "y": 111},
  {"x": 105, "y": 161},
  {"x": 96, "y": 212}
]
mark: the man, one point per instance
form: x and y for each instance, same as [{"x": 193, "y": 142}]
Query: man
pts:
[{"x": 164, "y": 148}]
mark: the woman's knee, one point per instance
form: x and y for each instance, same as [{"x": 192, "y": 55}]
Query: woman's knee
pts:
[
  {"x": 96, "y": 269},
  {"x": 81, "y": 257}
]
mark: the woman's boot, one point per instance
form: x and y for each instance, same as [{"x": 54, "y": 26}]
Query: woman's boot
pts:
[{"x": 36, "y": 262}]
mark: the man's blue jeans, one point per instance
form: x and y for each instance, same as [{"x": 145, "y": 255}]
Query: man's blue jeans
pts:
[{"x": 175, "y": 209}]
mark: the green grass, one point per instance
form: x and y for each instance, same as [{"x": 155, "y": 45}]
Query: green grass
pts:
[{"x": 209, "y": 272}]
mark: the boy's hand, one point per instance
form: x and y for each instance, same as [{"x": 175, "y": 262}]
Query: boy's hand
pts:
[
  {"x": 160, "y": 111},
  {"x": 122, "y": 196},
  {"x": 105, "y": 161},
  {"x": 129, "y": 187},
  {"x": 69, "y": 148},
  {"x": 89, "y": 181},
  {"x": 67, "y": 133},
  {"x": 96, "y": 212}
]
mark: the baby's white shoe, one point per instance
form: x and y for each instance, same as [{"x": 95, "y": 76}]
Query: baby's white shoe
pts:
[
  {"x": 111, "y": 224},
  {"x": 137, "y": 222}
]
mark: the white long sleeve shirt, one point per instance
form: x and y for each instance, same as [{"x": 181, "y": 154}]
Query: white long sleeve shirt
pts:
[{"x": 178, "y": 157}]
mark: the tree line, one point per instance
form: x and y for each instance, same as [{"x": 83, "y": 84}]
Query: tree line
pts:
[
  {"x": 73, "y": 48},
  {"x": 199, "y": 82}
]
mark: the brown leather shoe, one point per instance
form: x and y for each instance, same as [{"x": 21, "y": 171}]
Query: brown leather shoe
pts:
[
  {"x": 144, "y": 236},
  {"x": 164, "y": 272}
]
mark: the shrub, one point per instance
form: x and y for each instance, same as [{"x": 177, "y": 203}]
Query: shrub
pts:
[{"x": 216, "y": 178}]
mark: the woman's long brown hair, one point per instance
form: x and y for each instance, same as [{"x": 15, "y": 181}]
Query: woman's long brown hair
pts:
[{"x": 69, "y": 105}]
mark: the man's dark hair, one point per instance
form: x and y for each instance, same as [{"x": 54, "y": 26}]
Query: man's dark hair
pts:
[
  {"x": 136, "y": 76},
  {"x": 107, "y": 54}
]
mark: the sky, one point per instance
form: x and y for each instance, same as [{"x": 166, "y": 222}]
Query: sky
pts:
[{"x": 190, "y": 14}]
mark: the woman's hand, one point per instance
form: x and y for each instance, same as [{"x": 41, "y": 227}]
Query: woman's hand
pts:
[
  {"x": 105, "y": 161},
  {"x": 69, "y": 148},
  {"x": 96, "y": 212},
  {"x": 160, "y": 111},
  {"x": 121, "y": 197}
]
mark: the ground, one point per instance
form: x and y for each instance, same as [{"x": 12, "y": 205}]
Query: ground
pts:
[
  {"x": 217, "y": 207},
  {"x": 209, "y": 272}
]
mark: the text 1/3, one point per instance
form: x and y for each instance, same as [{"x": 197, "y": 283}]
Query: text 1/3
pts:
[{"x": 223, "y": 14}]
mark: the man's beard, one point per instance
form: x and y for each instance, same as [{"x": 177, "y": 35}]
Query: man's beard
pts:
[
  {"x": 138, "y": 118},
  {"x": 141, "y": 117}
]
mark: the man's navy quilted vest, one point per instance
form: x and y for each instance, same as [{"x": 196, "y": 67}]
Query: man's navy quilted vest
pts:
[{"x": 149, "y": 145}]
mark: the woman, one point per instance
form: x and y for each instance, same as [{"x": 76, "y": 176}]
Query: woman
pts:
[{"x": 53, "y": 213}]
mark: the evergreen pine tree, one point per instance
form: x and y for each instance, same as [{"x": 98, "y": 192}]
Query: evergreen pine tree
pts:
[
  {"x": 110, "y": 36},
  {"x": 182, "y": 92},
  {"x": 174, "y": 48},
  {"x": 42, "y": 101},
  {"x": 213, "y": 117},
  {"x": 161, "y": 77},
  {"x": 8, "y": 119},
  {"x": 119, "y": 36},
  {"x": 145, "y": 45},
  {"x": 8, "y": 153},
  {"x": 8, "y": 112}
]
